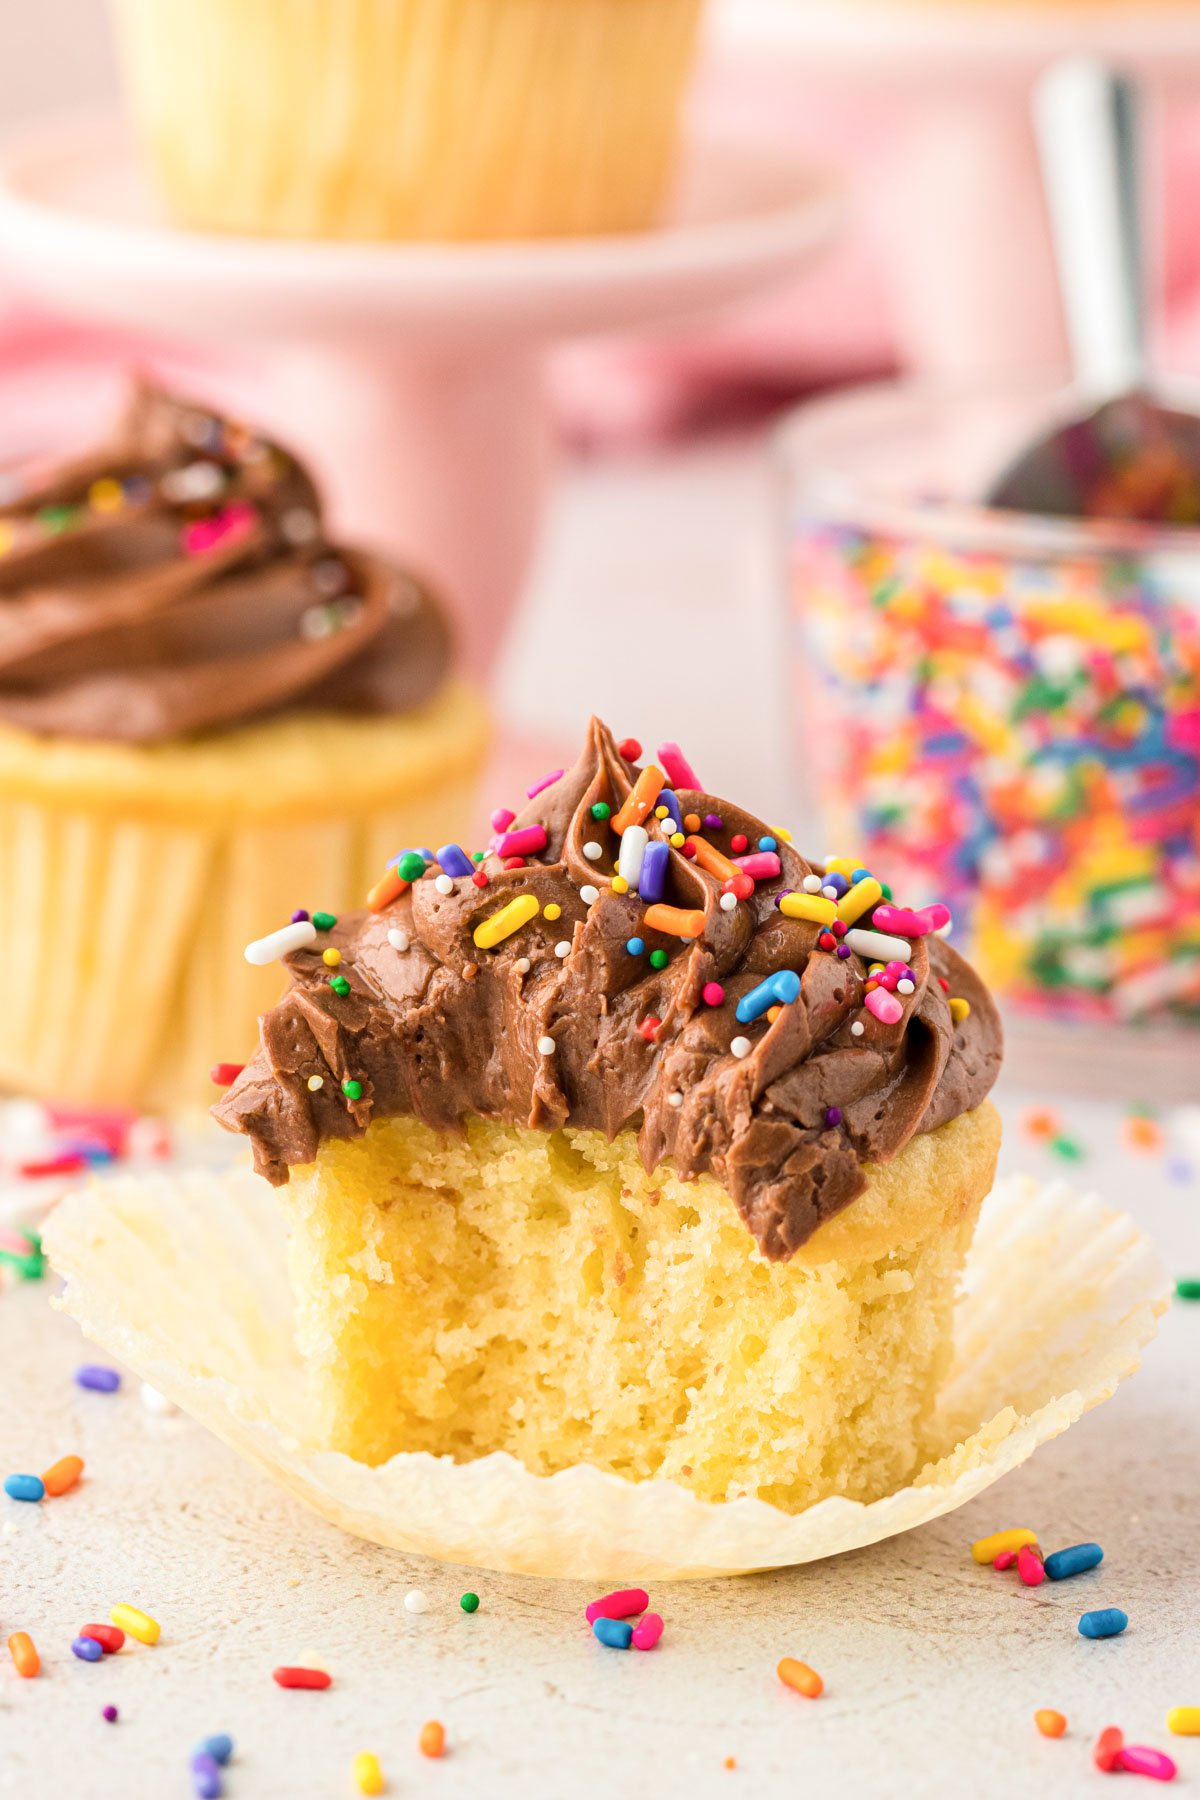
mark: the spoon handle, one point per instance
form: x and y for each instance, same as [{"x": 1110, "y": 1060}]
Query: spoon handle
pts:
[{"x": 1088, "y": 132}]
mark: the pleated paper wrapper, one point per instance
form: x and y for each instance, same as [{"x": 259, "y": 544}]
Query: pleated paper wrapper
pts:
[{"x": 182, "y": 1278}]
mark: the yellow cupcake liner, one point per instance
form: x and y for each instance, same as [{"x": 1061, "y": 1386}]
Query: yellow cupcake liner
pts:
[
  {"x": 183, "y": 1279},
  {"x": 409, "y": 118},
  {"x": 131, "y": 881}
]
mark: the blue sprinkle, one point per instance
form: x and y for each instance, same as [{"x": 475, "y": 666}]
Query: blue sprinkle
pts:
[
  {"x": 1073, "y": 1561},
  {"x": 24, "y": 1487},
  {"x": 777, "y": 990},
  {"x": 86, "y": 1649},
  {"x": 206, "y": 1778},
  {"x": 616, "y": 1633},
  {"x": 99, "y": 1379},
  {"x": 635, "y": 946},
  {"x": 767, "y": 843},
  {"x": 860, "y": 874},
  {"x": 1107, "y": 1621},
  {"x": 219, "y": 1746},
  {"x": 454, "y": 860}
]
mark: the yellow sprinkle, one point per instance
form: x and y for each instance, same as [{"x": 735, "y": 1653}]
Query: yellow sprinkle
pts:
[
  {"x": 620, "y": 885},
  {"x": 1184, "y": 1721},
  {"x": 502, "y": 924},
  {"x": 863, "y": 895},
  {"x": 552, "y": 911},
  {"x": 8, "y": 538},
  {"x": 773, "y": 1013},
  {"x": 662, "y": 812},
  {"x": 842, "y": 865},
  {"x": 368, "y": 1776},
  {"x": 105, "y": 495},
  {"x": 987, "y": 1549},
  {"x": 136, "y": 1624},
  {"x": 778, "y": 831},
  {"x": 813, "y": 907},
  {"x": 677, "y": 840},
  {"x": 331, "y": 956},
  {"x": 960, "y": 1010}
]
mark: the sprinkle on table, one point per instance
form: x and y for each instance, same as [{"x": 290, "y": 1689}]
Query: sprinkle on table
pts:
[
  {"x": 416, "y": 1601},
  {"x": 97, "y": 1378},
  {"x": 432, "y": 1741},
  {"x": 62, "y": 1476},
  {"x": 368, "y": 1776},
  {"x": 1188, "y": 1287},
  {"x": 987, "y": 1549},
  {"x": 1051, "y": 1724},
  {"x": 24, "y": 1654},
  {"x": 469, "y": 1602},
  {"x": 799, "y": 1676},
  {"x": 24, "y": 1487},
  {"x": 1103, "y": 1622},
  {"x": 136, "y": 1624},
  {"x": 292, "y": 1676}
]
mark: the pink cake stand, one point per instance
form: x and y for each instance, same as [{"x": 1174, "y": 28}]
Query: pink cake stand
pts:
[
  {"x": 973, "y": 278},
  {"x": 410, "y": 375}
]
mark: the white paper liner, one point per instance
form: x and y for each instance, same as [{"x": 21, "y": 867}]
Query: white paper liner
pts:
[{"x": 182, "y": 1278}]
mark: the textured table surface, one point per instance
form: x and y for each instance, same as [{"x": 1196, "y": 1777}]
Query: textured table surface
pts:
[{"x": 933, "y": 1666}]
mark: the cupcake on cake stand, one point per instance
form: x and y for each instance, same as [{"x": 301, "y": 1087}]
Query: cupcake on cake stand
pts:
[{"x": 409, "y": 375}]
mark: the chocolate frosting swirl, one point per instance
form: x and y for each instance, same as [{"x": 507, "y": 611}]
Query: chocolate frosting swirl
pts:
[
  {"x": 432, "y": 1025},
  {"x": 177, "y": 579}
]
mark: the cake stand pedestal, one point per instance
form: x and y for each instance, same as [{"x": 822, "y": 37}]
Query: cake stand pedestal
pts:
[{"x": 409, "y": 374}]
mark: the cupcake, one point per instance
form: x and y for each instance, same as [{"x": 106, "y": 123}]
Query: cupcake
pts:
[
  {"x": 205, "y": 707},
  {"x": 643, "y": 1142},
  {"x": 409, "y": 118}
]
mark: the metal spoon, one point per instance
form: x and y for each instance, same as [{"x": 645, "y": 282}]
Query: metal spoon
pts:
[{"x": 1118, "y": 451}]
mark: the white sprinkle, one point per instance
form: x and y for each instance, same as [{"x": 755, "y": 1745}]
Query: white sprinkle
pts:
[
  {"x": 299, "y": 525},
  {"x": 830, "y": 893},
  {"x": 416, "y": 1601},
  {"x": 399, "y": 940},
  {"x": 741, "y": 1046},
  {"x": 675, "y": 1099},
  {"x": 728, "y": 902},
  {"x": 906, "y": 986},
  {"x": 315, "y": 1083},
  {"x": 197, "y": 481},
  {"x": 522, "y": 965},
  {"x": 592, "y": 850},
  {"x": 563, "y": 948},
  {"x": 545, "y": 1046},
  {"x": 589, "y": 895},
  {"x": 633, "y": 849},
  {"x": 155, "y": 1402},
  {"x": 857, "y": 1029},
  {"x": 279, "y": 943},
  {"x": 878, "y": 946},
  {"x": 443, "y": 884},
  {"x": 811, "y": 884}
]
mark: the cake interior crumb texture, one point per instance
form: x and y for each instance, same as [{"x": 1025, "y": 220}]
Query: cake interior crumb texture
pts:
[{"x": 538, "y": 1292}]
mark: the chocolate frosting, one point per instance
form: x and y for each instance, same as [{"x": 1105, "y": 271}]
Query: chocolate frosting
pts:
[
  {"x": 177, "y": 579},
  {"x": 434, "y": 1026}
]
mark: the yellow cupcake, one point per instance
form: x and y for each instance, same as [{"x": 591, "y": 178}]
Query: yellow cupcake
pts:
[
  {"x": 409, "y": 118},
  {"x": 209, "y": 717}
]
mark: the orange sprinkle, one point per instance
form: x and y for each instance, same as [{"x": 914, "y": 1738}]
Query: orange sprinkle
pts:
[
  {"x": 731, "y": 1762},
  {"x": 641, "y": 799},
  {"x": 432, "y": 1740},
  {"x": 676, "y": 921},
  {"x": 389, "y": 887},
  {"x": 798, "y": 1675},
  {"x": 1041, "y": 1123},
  {"x": 63, "y": 1474},
  {"x": 24, "y": 1655},
  {"x": 691, "y": 821},
  {"x": 709, "y": 858},
  {"x": 1142, "y": 1133},
  {"x": 773, "y": 1013},
  {"x": 1049, "y": 1722}
]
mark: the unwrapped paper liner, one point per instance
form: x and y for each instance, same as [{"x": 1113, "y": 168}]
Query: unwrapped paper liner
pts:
[{"x": 182, "y": 1278}]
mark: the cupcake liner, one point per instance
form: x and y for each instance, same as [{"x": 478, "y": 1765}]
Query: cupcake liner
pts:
[
  {"x": 184, "y": 1280},
  {"x": 409, "y": 118}
]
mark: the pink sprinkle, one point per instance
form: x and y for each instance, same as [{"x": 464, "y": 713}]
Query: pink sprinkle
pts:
[
  {"x": 676, "y": 767},
  {"x": 1005, "y": 1560},
  {"x": 900, "y": 919},
  {"x": 502, "y": 818},
  {"x": 14, "y": 1242},
  {"x": 620, "y": 1605},
  {"x": 203, "y": 535},
  {"x": 886, "y": 1008},
  {"x": 109, "y": 1124},
  {"x": 647, "y": 1632},
  {"x": 1138, "y": 1759},
  {"x": 1030, "y": 1566},
  {"x": 525, "y": 842},
  {"x": 763, "y": 865},
  {"x": 937, "y": 914},
  {"x": 712, "y": 993},
  {"x": 545, "y": 782}
]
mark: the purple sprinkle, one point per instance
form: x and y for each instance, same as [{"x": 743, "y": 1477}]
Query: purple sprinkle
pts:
[
  {"x": 87, "y": 1649},
  {"x": 843, "y": 951},
  {"x": 545, "y": 782},
  {"x": 99, "y": 1379},
  {"x": 783, "y": 895},
  {"x": 299, "y": 916},
  {"x": 206, "y": 1777},
  {"x": 713, "y": 822},
  {"x": 833, "y": 1115},
  {"x": 109, "y": 1713}
]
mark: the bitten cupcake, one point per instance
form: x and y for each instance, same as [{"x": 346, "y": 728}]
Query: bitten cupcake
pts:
[
  {"x": 206, "y": 709},
  {"x": 638, "y": 1140},
  {"x": 409, "y": 118}
]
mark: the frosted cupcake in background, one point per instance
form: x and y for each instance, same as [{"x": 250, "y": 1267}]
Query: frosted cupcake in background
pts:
[
  {"x": 409, "y": 118},
  {"x": 207, "y": 711}
]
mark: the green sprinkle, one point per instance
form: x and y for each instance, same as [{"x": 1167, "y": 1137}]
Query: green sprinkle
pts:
[
  {"x": 339, "y": 984},
  {"x": 57, "y": 518},
  {"x": 352, "y": 1090},
  {"x": 411, "y": 866},
  {"x": 602, "y": 810},
  {"x": 1188, "y": 1287},
  {"x": 470, "y": 1603},
  {"x": 324, "y": 921},
  {"x": 29, "y": 1268},
  {"x": 1068, "y": 1149},
  {"x": 886, "y": 891},
  {"x": 659, "y": 959},
  {"x": 477, "y": 855}
]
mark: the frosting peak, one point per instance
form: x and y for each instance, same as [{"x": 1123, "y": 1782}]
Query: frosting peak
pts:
[
  {"x": 178, "y": 579},
  {"x": 723, "y": 996}
]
